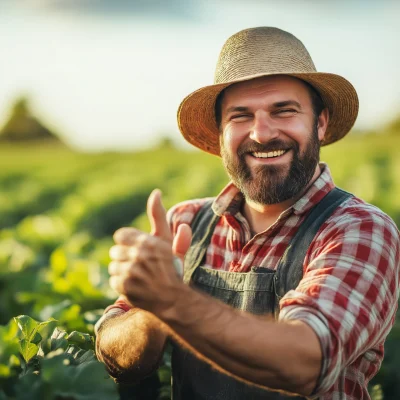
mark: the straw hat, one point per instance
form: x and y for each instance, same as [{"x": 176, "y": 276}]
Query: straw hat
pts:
[{"x": 265, "y": 51}]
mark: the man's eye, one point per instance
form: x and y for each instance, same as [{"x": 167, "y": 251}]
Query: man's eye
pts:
[
  {"x": 239, "y": 117},
  {"x": 286, "y": 111}
]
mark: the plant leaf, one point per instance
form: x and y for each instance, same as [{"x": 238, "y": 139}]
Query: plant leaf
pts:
[
  {"x": 58, "y": 340},
  {"x": 26, "y": 325},
  {"x": 36, "y": 339},
  {"x": 32, "y": 387},
  {"x": 28, "y": 349},
  {"x": 87, "y": 356},
  {"x": 83, "y": 340},
  {"x": 86, "y": 381},
  {"x": 43, "y": 324}
]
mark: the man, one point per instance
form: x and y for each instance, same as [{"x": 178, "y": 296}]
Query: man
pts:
[{"x": 280, "y": 240}]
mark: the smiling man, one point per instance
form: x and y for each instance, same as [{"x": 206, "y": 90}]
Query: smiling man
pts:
[
  {"x": 281, "y": 159},
  {"x": 290, "y": 285}
]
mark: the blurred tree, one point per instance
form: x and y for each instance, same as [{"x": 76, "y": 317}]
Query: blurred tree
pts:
[
  {"x": 165, "y": 142},
  {"x": 22, "y": 126},
  {"x": 394, "y": 126}
]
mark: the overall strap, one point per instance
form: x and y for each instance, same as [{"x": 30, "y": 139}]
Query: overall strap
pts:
[
  {"x": 203, "y": 226},
  {"x": 289, "y": 271}
]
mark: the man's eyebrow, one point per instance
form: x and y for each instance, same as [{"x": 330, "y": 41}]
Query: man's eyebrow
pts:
[
  {"x": 278, "y": 104},
  {"x": 237, "y": 109},
  {"x": 286, "y": 103}
]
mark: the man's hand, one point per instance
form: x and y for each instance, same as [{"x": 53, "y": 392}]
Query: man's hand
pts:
[{"x": 142, "y": 268}]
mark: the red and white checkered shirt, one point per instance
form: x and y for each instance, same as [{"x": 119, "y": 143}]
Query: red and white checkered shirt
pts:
[{"x": 350, "y": 286}]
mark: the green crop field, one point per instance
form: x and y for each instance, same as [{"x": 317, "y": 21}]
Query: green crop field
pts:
[{"x": 58, "y": 211}]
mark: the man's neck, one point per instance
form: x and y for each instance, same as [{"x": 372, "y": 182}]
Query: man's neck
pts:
[{"x": 261, "y": 216}]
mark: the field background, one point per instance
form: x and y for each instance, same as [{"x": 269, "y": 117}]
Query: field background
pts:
[{"x": 59, "y": 209}]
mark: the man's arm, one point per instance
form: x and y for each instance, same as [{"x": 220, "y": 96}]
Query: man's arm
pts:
[
  {"x": 282, "y": 356},
  {"x": 258, "y": 350},
  {"x": 131, "y": 344},
  {"x": 350, "y": 289}
]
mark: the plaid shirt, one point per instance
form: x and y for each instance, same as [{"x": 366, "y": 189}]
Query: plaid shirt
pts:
[{"x": 349, "y": 290}]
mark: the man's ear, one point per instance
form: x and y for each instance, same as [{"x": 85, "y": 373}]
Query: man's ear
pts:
[{"x": 323, "y": 121}]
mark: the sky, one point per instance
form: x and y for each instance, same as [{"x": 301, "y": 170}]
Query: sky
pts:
[{"x": 110, "y": 74}]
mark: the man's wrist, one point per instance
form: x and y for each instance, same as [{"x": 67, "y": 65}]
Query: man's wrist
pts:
[{"x": 174, "y": 313}]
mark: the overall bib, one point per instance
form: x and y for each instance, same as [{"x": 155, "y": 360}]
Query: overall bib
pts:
[{"x": 257, "y": 291}]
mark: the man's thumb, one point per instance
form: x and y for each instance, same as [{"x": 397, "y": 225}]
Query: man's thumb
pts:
[
  {"x": 157, "y": 216},
  {"x": 182, "y": 241}
]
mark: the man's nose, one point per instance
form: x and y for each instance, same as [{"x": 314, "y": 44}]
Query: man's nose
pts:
[{"x": 263, "y": 129}]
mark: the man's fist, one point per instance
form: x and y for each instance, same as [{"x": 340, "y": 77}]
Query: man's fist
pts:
[{"x": 142, "y": 267}]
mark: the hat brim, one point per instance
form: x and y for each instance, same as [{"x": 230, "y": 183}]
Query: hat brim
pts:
[{"x": 196, "y": 115}]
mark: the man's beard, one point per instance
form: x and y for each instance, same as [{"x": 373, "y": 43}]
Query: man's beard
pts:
[{"x": 272, "y": 184}]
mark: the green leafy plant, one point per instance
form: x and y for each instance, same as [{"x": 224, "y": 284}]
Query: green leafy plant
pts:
[{"x": 42, "y": 362}]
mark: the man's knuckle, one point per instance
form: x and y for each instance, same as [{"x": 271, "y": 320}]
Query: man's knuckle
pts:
[
  {"x": 132, "y": 253},
  {"x": 125, "y": 235},
  {"x": 130, "y": 268},
  {"x": 113, "y": 268},
  {"x": 137, "y": 256},
  {"x": 151, "y": 245},
  {"x": 114, "y": 252},
  {"x": 115, "y": 283},
  {"x": 118, "y": 234}
]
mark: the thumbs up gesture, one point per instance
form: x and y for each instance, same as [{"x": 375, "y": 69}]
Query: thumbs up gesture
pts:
[{"x": 142, "y": 267}]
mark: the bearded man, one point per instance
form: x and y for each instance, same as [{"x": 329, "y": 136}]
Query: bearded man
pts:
[{"x": 290, "y": 285}]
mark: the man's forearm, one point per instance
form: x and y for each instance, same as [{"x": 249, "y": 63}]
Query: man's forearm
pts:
[
  {"x": 284, "y": 355},
  {"x": 131, "y": 345}
]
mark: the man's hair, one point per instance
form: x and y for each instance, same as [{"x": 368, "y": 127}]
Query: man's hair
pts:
[{"x": 316, "y": 102}]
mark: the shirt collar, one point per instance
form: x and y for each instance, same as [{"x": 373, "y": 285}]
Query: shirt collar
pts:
[{"x": 230, "y": 199}]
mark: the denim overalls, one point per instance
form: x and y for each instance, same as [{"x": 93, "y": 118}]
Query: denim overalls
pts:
[{"x": 257, "y": 291}]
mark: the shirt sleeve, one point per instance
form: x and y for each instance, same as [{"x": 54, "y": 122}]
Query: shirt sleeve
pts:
[
  {"x": 349, "y": 291},
  {"x": 183, "y": 213}
]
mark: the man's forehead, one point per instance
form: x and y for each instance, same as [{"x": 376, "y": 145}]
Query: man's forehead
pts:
[{"x": 274, "y": 83}]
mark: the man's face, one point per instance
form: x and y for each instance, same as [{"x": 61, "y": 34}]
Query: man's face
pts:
[{"x": 270, "y": 138}]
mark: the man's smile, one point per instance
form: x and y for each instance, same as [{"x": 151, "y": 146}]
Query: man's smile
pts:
[
  {"x": 268, "y": 157},
  {"x": 269, "y": 154}
]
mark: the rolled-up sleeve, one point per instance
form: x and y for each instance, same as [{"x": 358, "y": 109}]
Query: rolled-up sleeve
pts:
[
  {"x": 349, "y": 291},
  {"x": 120, "y": 307}
]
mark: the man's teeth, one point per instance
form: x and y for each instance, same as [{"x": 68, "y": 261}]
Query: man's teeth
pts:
[{"x": 270, "y": 154}]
